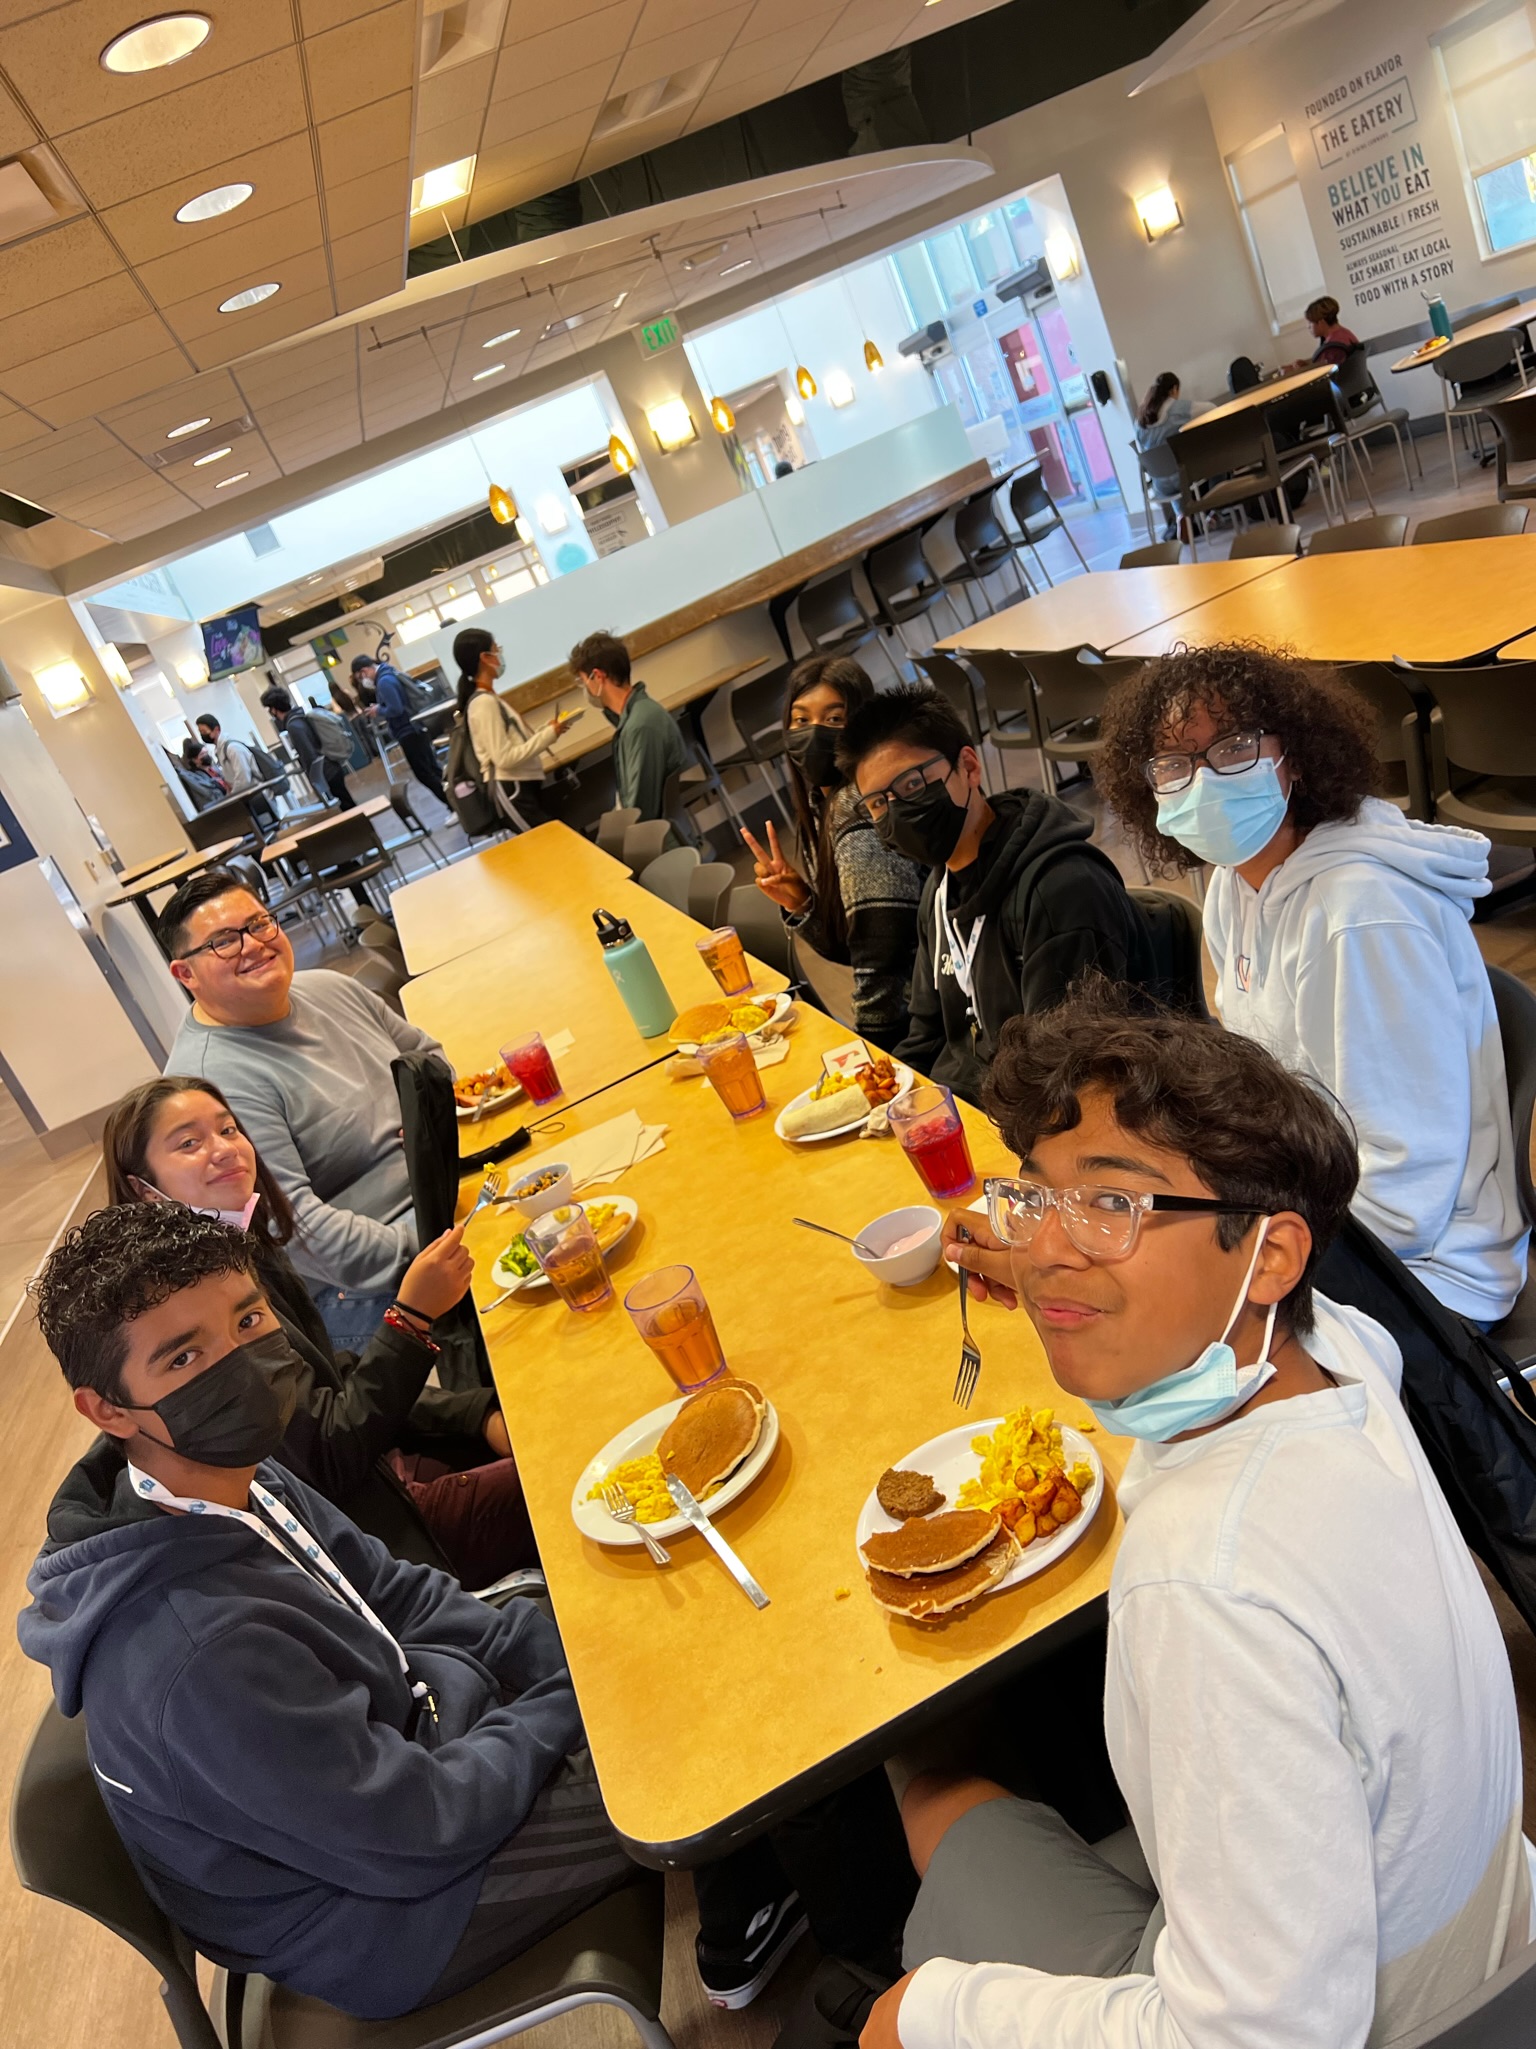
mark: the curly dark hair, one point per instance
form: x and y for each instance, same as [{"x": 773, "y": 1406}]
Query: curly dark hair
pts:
[
  {"x": 114, "y": 1266},
  {"x": 1256, "y": 1134},
  {"x": 1328, "y": 732}
]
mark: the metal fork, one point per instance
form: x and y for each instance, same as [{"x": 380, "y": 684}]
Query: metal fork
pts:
[
  {"x": 970, "y": 1357},
  {"x": 490, "y": 1189},
  {"x": 622, "y": 1509}
]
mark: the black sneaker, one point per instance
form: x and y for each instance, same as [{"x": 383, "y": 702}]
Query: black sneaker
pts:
[{"x": 734, "y": 1977}]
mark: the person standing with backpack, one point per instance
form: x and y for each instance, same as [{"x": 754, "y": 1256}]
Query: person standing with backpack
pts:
[
  {"x": 322, "y": 743},
  {"x": 506, "y": 750},
  {"x": 393, "y": 697}
]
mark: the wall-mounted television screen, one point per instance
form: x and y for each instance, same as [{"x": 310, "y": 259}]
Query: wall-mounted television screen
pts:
[{"x": 233, "y": 643}]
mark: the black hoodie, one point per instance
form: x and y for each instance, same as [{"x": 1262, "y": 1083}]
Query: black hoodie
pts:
[{"x": 1054, "y": 907}]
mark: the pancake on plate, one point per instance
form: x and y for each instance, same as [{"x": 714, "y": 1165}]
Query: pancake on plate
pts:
[
  {"x": 712, "y": 1433},
  {"x": 697, "y": 1022},
  {"x": 933, "y": 1543},
  {"x": 927, "y": 1594}
]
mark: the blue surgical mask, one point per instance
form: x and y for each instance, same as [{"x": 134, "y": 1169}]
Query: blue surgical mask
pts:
[
  {"x": 1209, "y": 1391},
  {"x": 1226, "y": 819}
]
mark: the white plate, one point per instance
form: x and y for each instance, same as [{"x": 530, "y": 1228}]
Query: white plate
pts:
[
  {"x": 776, "y": 1006},
  {"x": 856, "y": 1122},
  {"x": 639, "y": 1437},
  {"x": 487, "y": 1105},
  {"x": 509, "y": 1277},
  {"x": 950, "y": 1461}
]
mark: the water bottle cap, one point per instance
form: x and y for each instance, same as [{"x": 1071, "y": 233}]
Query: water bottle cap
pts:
[{"x": 612, "y": 931}]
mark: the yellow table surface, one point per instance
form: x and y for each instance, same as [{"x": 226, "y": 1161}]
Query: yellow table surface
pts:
[
  {"x": 1429, "y": 604},
  {"x": 1494, "y": 323},
  {"x": 457, "y": 908},
  {"x": 705, "y": 1716},
  {"x": 1103, "y": 607},
  {"x": 1266, "y": 394}
]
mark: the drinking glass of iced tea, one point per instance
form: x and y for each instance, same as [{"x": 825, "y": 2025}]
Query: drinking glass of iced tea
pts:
[
  {"x": 723, "y": 954},
  {"x": 928, "y": 1125},
  {"x": 670, "y": 1313},
  {"x": 565, "y": 1245},
  {"x": 733, "y": 1075},
  {"x": 528, "y": 1061}
]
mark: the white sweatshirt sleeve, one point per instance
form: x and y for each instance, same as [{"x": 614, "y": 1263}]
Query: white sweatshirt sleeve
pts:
[
  {"x": 498, "y": 748},
  {"x": 1232, "y": 1746}
]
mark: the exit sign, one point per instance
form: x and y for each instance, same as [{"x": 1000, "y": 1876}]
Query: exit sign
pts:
[{"x": 656, "y": 335}]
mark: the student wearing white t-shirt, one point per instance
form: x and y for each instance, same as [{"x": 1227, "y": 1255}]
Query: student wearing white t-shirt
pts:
[{"x": 1307, "y": 1702}]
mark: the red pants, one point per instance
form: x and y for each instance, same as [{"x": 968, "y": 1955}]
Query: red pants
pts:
[{"x": 477, "y": 1517}]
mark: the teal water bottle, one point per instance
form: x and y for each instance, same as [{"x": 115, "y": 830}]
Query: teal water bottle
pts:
[
  {"x": 1439, "y": 318},
  {"x": 628, "y": 960}
]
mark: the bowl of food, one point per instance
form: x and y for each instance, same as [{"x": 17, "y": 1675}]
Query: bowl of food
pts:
[
  {"x": 545, "y": 1189},
  {"x": 904, "y": 1245}
]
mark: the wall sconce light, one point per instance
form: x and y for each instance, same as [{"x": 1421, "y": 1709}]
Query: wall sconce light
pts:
[
  {"x": 112, "y": 662},
  {"x": 805, "y": 383},
  {"x": 1061, "y": 255},
  {"x": 722, "y": 416},
  {"x": 193, "y": 671},
  {"x": 552, "y": 513},
  {"x": 63, "y": 686},
  {"x": 672, "y": 424},
  {"x": 873, "y": 360},
  {"x": 1158, "y": 213},
  {"x": 794, "y": 412},
  {"x": 503, "y": 506},
  {"x": 840, "y": 390},
  {"x": 621, "y": 455}
]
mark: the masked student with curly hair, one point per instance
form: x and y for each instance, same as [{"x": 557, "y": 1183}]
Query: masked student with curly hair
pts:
[{"x": 1339, "y": 932}]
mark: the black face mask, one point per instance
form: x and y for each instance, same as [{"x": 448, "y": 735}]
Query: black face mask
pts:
[
  {"x": 813, "y": 750},
  {"x": 236, "y": 1412},
  {"x": 926, "y": 827}
]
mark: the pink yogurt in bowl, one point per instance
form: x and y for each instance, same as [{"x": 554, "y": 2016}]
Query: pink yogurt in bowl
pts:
[{"x": 904, "y": 1245}]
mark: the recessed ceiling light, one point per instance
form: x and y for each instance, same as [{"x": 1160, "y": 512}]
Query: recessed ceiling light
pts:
[
  {"x": 442, "y": 185},
  {"x": 238, "y": 478},
  {"x": 253, "y": 296},
  {"x": 151, "y": 45},
  {"x": 208, "y": 205},
  {"x": 618, "y": 302},
  {"x": 189, "y": 427},
  {"x": 731, "y": 269},
  {"x": 494, "y": 371},
  {"x": 497, "y": 339},
  {"x": 212, "y": 456}
]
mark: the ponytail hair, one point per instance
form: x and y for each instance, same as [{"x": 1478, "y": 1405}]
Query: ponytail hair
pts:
[
  {"x": 468, "y": 649},
  {"x": 1164, "y": 385}
]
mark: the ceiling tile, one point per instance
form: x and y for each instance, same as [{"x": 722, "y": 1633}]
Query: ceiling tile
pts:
[
  {"x": 282, "y": 173},
  {"x": 145, "y": 426},
  {"x": 384, "y": 243},
  {"x": 83, "y": 397},
  {"x": 74, "y": 317},
  {"x": 868, "y": 16},
  {"x": 189, "y": 132},
  {"x": 769, "y": 16},
  {"x": 248, "y": 252},
  {"x": 366, "y": 287},
  {"x": 17, "y": 427},
  {"x": 380, "y": 196},
  {"x": 370, "y": 139},
  {"x": 508, "y": 120},
  {"x": 538, "y": 145},
  {"x": 453, "y": 95},
  {"x": 677, "y": 52},
  {"x": 364, "y": 62},
  {"x": 834, "y": 57},
  {"x": 199, "y": 315},
  {"x": 260, "y": 328},
  {"x": 65, "y": 259},
  {"x": 117, "y": 346},
  {"x": 542, "y": 59},
  {"x": 747, "y": 93},
  {"x": 16, "y": 131},
  {"x": 786, "y": 51},
  {"x": 319, "y": 15}
]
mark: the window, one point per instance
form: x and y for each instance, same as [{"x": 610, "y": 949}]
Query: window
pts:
[
  {"x": 918, "y": 285},
  {"x": 1274, "y": 217},
  {"x": 1488, "y": 61},
  {"x": 991, "y": 249}
]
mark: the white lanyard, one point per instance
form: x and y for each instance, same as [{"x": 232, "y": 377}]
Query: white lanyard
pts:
[
  {"x": 961, "y": 958},
  {"x": 329, "y": 1574}
]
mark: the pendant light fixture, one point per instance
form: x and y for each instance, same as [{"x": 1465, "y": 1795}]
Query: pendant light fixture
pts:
[
  {"x": 873, "y": 360},
  {"x": 503, "y": 506},
  {"x": 621, "y": 455},
  {"x": 722, "y": 416},
  {"x": 805, "y": 383}
]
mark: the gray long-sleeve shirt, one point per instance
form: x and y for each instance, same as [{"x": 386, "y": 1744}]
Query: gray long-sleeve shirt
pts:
[{"x": 316, "y": 1098}]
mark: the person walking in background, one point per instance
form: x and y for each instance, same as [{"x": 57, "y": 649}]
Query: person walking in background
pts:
[
  {"x": 506, "y": 747},
  {"x": 322, "y": 743},
  {"x": 394, "y": 705}
]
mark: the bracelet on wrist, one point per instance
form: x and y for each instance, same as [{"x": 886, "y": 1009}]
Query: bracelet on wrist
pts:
[
  {"x": 394, "y": 1320},
  {"x": 420, "y": 1315}
]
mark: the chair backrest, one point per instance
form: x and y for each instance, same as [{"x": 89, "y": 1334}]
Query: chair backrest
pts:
[
  {"x": 1477, "y": 523},
  {"x": 1516, "y": 1006},
  {"x": 1469, "y": 362},
  {"x": 1500, "y": 2014},
  {"x": 1267, "y": 538},
  {"x": 251, "y": 873},
  {"x": 1175, "y": 927},
  {"x": 400, "y": 803},
  {"x": 978, "y": 530},
  {"x": 1514, "y": 421},
  {"x": 731, "y": 718},
  {"x": 708, "y": 887},
  {"x": 643, "y": 842},
  {"x": 1157, "y": 555},
  {"x": 613, "y": 825},
  {"x": 206, "y": 828},
  {"x": 898, "y": 568},
  {"x": 1068, "y": 690},
  {"x": 1217, "y": 447},
  {"x": 65, "y": 1848},
  {"x": 1484, "y": 715},
  {"x": 831, "y": 609},
  {"x": 1392, "y": 702},
  {"x": 1160, "y": 468},
  {"x": 384, "y": 974},
  {"x": 1354, "y": 383},
  {"x": 1034, "y": 510},
  {"x": 954, "y": 686},
  {"x": 667, "y": 876},
  {"x": 347, "y": 837},
  {"x": 1006, "y": 680},
  {"x": 1386, "y": 530},
  {"x": 759, "y": 926}
]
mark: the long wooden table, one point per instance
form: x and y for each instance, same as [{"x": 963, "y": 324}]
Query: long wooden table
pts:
[
  {"x": 494, "y": 894},
  {"x": 1268, "y": 393},
  {"x": 1511, "y": 318},
  {"x": 707, "y": 1719},
  {"x": 1109, "y": 604},
  {"x": 167, "y": 875},
  {"x": 1431, "y": 604}
]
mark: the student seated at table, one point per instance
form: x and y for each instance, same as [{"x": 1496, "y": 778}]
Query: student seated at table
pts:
[
  {"x": 1017, "y": 904},
  {"x": 507, "y": 748},
  {"x": 1334, "y": 341},
  {"x": 647, "y": 747},
  {"x": 304, "y": 1060},
  {"x": 856, "y": 901},
  {"x": 1339, "y": 931},
  {"x": 1163, "y": 412},
  {"x": 364, "y": 1424},
  {"x": 1308, "y": 1703}
]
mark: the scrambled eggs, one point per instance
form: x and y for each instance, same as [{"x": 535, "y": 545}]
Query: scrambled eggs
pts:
[
  {"x": 1023, "y": 1476},
  {"x": 644, "y": 1484}
]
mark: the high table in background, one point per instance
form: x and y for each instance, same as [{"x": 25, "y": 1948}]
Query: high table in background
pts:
[
  {"x": 707, "y": 1719},
  {"x": 1103, "y": 607}
]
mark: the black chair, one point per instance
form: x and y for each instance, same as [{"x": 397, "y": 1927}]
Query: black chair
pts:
[
  {"x": 1402, "y": 734},
  {"x": 954, "y": 685},
  {"x": 1230, "y": 460},
  {"x": 1478, "y": 373},
  {"x": 65, "y": 1848},
  {"x": 344, "y": 854},
  {"x": 1036, "y": 514},
  {"x": 1381, "y": 530},
  {"x": 1477, "y": 523},
  {"x": 1011, "y": 718},
  {"x": 904, "y": 582},
  {"x": 1265, "y": 539},
  {"x": 985, "y": 545},
  {"x": 669, "y": 874},
  {"x": 1156, "y": 555},
  {"x": 1500, "y": 2014},
  {"x": 230, "y": 818},
  {"x": 832, "y": 616},
  {"x": 1482, "y": 747},
  {"x": 1514, "y": 426},
  {"x": 709, "y": 886},
  {"x": 1160, "y": 483},
  {"x": 613, "y": 825},
  {"x": 1516, "y": 1007},
  {"x": 1174, "y": 924},
  {"x": 416, "y": 833},
  {"x": 756, "y": 710},
  {"x": 1069, "y": 699},
  {"x": 1366, "y": 412},
  {"x": 683, "y": 788},
  {"x": 759, "y": 927}
]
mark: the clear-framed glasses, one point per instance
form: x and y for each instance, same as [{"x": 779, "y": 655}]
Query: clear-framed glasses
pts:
[
  {"x": 910, "y": 783},
  {"x": 1104, "y": 1223},
  {"x": 1230, "y": 755},
  {"x": 228, "y": 945}
]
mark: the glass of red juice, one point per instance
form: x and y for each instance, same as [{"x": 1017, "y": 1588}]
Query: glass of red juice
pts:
[
  {"x": 527, "y": 1060},
  {"x": 933, "y": 1138}
]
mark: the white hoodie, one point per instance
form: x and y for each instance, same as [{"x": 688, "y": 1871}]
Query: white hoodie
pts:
[{"x": 1354, "y": 962}]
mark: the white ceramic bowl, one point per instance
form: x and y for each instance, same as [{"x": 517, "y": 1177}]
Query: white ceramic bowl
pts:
[
  {"x": 903, "y": 1269},
  {"x": 547, "y": 1198}
]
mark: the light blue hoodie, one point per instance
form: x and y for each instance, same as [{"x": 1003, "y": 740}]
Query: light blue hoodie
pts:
[{"x": 1354, "y": 962}]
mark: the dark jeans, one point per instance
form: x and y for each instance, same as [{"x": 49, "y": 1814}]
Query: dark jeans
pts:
[
  {"x": 421, "y": 761},
  {"x": 334, "y": 774},
  {"x": 474, "y": 1509},
  {"x": 530, "y": 805}
]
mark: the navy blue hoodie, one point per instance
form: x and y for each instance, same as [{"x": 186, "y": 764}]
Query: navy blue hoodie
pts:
[{"x": 249, "y": 1732}]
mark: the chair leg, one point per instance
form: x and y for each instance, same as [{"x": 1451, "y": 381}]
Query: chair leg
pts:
[
  {"x": 1034, "y": 550},
  {"x": 1076, "y": 550}
]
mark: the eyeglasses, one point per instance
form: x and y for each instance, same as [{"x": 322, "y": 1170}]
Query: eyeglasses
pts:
[
  {"x": 1102, "y": 1222},
  {"x": 910, "y": 783},
  {"x": 1230, "y": 755},
  {"x": 231, "y": 944}
]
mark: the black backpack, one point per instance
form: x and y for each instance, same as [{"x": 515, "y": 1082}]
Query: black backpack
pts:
[
  {"x": 468, "y": 792},
  {"x": 1242, "y": 374},
  {"x": 269, "y": 768}
]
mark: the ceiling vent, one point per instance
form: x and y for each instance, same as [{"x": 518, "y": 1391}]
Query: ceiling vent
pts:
[
  {"x": 454, "y": 31},
  {"x": 34, "y": 193},
  {"x": 644, "y": 103}
]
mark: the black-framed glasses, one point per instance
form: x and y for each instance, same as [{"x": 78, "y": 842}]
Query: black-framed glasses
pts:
[
  {"x": 229, "y": 945},
  {"x": 910, "y": 783},
  {"x": 1102, "y": 1222},
  {"x": 1228, "y": 755}
]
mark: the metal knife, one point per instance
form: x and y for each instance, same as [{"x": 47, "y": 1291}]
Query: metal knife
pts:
[{"x": 691, "y": 1512}]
